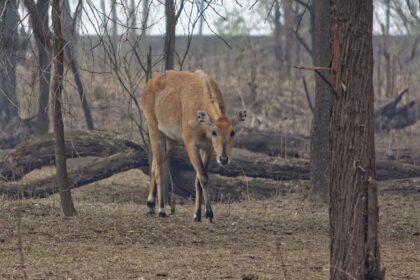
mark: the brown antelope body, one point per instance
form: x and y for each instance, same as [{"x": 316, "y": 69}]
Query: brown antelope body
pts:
[{"x": 187, "y": 107}]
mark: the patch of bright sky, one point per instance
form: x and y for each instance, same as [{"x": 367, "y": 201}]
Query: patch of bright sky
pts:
[
  {"x": 252, "y": 12},
  {"x": 215, "y": 10}
]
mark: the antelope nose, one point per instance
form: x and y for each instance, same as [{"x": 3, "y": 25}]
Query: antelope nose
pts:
[{"x": 223, "y": 160}]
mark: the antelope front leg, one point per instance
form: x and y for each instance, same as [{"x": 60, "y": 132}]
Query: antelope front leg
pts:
[
  {"x": 198, "y": 198},
  {"x": 152, "y": 194},
  {"x": 205, "y": 157},
  {"x": 201, "y": 180}
]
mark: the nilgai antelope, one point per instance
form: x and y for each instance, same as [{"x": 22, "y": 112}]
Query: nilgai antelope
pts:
[{"x": 187, "y": 107}]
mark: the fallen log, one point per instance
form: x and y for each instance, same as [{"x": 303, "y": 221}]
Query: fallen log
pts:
[
  {"x": 118, "y": 155},
  {"x": 390, "y": 116},
  {"x": 390, "y": 169},
  {"x": 410, "y": 156},
  {"x": 100, "y": 169},
  {"x": 274, "y": 144},
  {"x": 39, "y": 152}
]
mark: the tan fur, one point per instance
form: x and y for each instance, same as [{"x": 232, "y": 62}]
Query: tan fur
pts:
[{"x": 172, "y": 102}]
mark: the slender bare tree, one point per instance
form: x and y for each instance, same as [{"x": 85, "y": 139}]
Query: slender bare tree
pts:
[
  {"x": 114, "y": 21},
  {"x": 145, "y": 17},
  {"x": 8, "y": 54},
  {"x": 69, "y": 35},
  {"x": 320, "y": 150},
  {"x": 39, "y": 18},
  {"x": 57, "y": 87},
  {"x": 169, "y": 51}
]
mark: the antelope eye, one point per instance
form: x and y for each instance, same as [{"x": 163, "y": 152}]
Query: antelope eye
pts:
[
  {"x": 213, "y": 133},
  {"x": 232, "y": 133}
]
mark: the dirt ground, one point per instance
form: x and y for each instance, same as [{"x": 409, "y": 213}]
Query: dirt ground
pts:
[{"x": 285, "y": 237}]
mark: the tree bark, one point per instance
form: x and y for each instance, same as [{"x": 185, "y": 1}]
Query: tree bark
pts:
[
  {"x": 353, "y": 211},
  {"x": 320, "y": 148},
  {"x": 8, "y": 59},
  {"x": 69, "y": 35},
  {"x": 57, "y": 87}
]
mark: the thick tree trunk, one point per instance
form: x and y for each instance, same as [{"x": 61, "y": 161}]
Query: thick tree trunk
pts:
[
  {"x": 353, "y": 200},
  {"x": 320, "y": 148},
  {"x": 57, "y": 87},
  {"x": 8, "y": 51},
  {"x": 169, "y": 51},
  {"x": 69, "y": 35}
]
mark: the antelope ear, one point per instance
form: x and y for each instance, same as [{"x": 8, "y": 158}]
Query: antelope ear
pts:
[
  {"x": 204, "y": 117},
  {"x": 239, "y": 117}
]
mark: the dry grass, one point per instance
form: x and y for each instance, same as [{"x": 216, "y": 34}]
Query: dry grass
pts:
[{"x": 285, "y": 237}]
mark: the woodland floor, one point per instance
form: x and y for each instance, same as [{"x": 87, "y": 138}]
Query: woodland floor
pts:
[{"x": 284, "y": 237}]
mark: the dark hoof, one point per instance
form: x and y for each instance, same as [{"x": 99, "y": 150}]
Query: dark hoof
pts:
[
  {"x": 151, "y": 212},
  {"x": 172, "y": 210},
  {"x": 197, "y": 217},
  {"x": 162, "y": 215},
  {"x": 209, "y": 215},
  {"x": 151, "y": 204}
]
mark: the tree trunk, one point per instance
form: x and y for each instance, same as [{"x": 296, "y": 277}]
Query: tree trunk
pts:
[
  {"x": 387, "y": 55},
  {"x": 320, "y": 148},
  {"x": 133, "y": 19},
  {"x": 114, "y": 21},
  {"x": 104, "y": 14},
  {"x": 201, "y": 20},
  {"x": 42, "y": 119},
  {"x": 8, "y": 50},
  {"x": 353, "y": 199},
  {"x": 278, "y": 49},
  {"x": 69, "y": 36},
  {"x": 104, "y": 29},
  {"x": 289, "y": 38},
  {"x": 169, "y": 55},
  {"x": 145, "y": 16},
  {"x": 60, "y": 156},
  {"x": 169, "y": 51}
]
